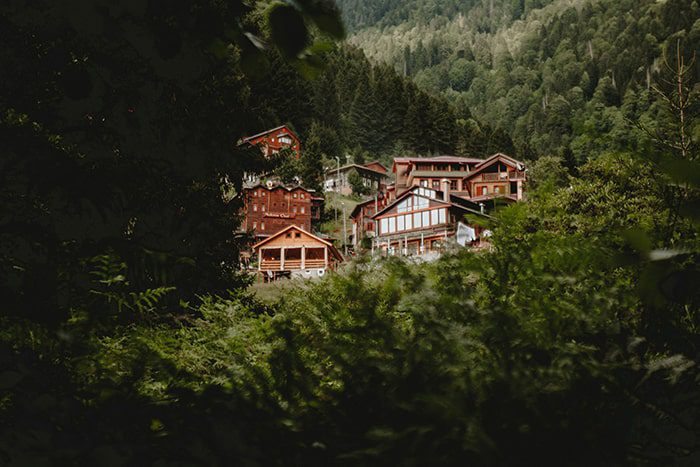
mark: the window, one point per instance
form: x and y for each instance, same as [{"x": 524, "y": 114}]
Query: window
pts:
[
  {"x": 294, "y": 209},
  {"x": 303, "y": 209},
  {"x": 453, "y": 185},
  {"x": 409, "y": 222},
  {"x": 443, "y": 216},
  {"x": 255, "y": 208},
  {"x": 384, "y": 224},
  {"x": 285, "y": 140},
  {"x": 295, "y": 195},
  {"x": 262, "y": 193},
  {"x": 392, "y": 224},
  {"x": 262, "y": 207},
  {"x": 400, "y": 223},
  {"x": 514, "y": 188},
  {"x": 426, "y": 218},
  {"x": 289, "y": 235},
  {"x": 255, "y": 193},
  {"x": 416, "y": 220},
  {"x": 262, "y": 226},
  {"x": 297, "y": 235},
  {"x": 497, "y": 189},
  {"x": 424, "y": 183},
  {"x": 434, "y": 217},
  {"x": 303, "y": 196},
  {"x": 436, "y": 184},
  {"x": 255, "y": 225}
]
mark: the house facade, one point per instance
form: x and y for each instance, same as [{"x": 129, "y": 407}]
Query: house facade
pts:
[
  {"x": 374, "y": 176},
  {"x": 421, "y": 221},
  {"x": 498, "y": 175},
  {"x": 294, "y": 251},
  {"x": 274, "y": 140},
  {"x": 434, "y": 200},
  {"x": 270, "y": 209},
  {"x": 363, "y": 224}
]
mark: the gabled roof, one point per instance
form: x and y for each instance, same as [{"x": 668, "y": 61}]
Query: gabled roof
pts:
[
  {"x": 359, "y": 205},
  {"x": 487, "y": 163},
  {"x": 248, "y": 138},
  {"x": 403, "y": 196},
  {"x": 443, "y": 159},
  {"x": 455, "y": 201},
  {"x": 289, "y": 189},
  {"x": 334, "y": 250},
  {"x": 356, "y": 166},
  {"x": 501, "y": 156},
  {"x": 376, "y": 163}
]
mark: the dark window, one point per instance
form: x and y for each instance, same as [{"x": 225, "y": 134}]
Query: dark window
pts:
[
  {"x": 453, "y": 184},
  {"x": 513, "y": 188},
  {"x": 297, "y": 235},
  {"x": 436, "y": 184}
]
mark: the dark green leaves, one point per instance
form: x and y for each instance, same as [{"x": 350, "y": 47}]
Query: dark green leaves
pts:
[{"x": 287, "y": 29}]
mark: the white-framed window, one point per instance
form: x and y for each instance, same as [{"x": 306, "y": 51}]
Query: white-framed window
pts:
[
  {"x": 426, "y": 218},
  {"x": 400, "y": 223},
  {"x": 303, "y": 196},
  {"x": 443, "y": 216},
  {"x": 262, "y": 206},
  {"x": 294, "y": 209},
  {"x": 392, "y": 224},
  {"x": 255, "y": 193},
  {"x": 409, "y": 222},
  {"x": 262, "y": 226},
  {"x": 417, "y": 220},
  {"x": 303, "y": 209},
  {"x": 384, "y": 225},
  {"x": 434, "y": 217},
  {"x": 295, "y": 195}
]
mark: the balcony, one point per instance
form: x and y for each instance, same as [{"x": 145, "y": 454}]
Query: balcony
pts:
[{"x": 503, "y": 176}]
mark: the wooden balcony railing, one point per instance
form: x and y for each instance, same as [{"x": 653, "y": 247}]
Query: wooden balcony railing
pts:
[
  {"x": 270, "y": 265},
  {"x": 503, "y": 176},
  {"x": 291, "y": 264}
]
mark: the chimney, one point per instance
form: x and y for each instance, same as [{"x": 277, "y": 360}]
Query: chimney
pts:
[{"x": 445, "y": 189}]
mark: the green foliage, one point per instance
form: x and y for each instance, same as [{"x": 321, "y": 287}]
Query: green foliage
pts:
[{"x": 357, "y": 184}]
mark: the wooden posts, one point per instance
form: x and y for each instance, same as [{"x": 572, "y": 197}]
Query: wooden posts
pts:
[
  {"x": 303, "y": 257},
  {"x": 282, "y": 259}
]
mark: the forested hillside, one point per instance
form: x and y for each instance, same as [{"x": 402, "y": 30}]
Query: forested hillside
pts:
[{"x": 560, "y": 77}]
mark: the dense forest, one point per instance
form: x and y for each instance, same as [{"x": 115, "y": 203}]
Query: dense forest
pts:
[
  {"x": 562, "y": 78},
  {"x": 129, "y": 335}
]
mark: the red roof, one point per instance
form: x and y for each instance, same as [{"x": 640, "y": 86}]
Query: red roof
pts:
[
  {"x": 248, "y": 138},
  {"x": 448, "y": 159}
]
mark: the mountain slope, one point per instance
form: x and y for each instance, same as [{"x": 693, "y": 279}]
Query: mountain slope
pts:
[{"x": 546, "y": 72}]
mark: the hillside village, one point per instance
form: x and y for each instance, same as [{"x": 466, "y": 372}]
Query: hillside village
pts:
[{"x": 418, "y": 208}]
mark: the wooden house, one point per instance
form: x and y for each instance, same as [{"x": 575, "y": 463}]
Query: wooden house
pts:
[
  {"x": 374, "y": 178},
  {"x": 499, "y": 175},
  {"x": 270, "y": 209},
  {"x": 295, "y": 252},
  {"x": 362, "y": 218},
  {"x": 274, "y": 140},
  {"x": 421, "y": 220}
]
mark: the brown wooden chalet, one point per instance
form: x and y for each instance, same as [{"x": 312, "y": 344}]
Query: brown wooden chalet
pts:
[
  {"x": 362, "y": 218},
  {"x": 499, "y": 175},
  {"x": 274, "y": 140},
  {"x": 421, "y": 220},
  {"x": 294, "y": 251},
  {"x": 270, "y": 209},
  {"x": 374, "y": 176}
]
